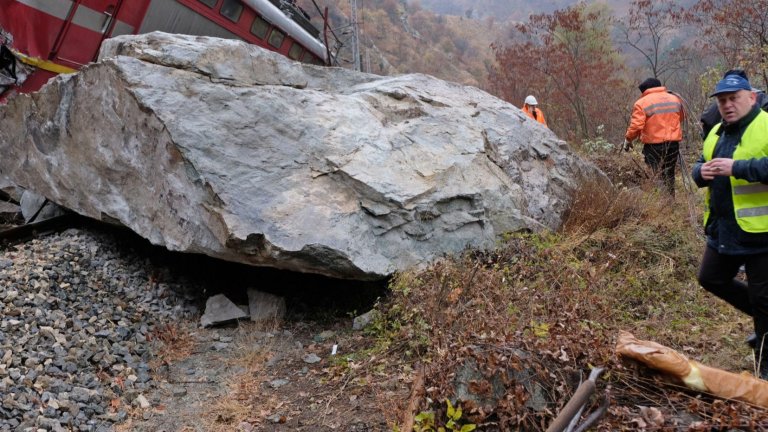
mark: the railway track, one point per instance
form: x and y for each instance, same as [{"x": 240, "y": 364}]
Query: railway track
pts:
[{"x": 10, "y": 234}]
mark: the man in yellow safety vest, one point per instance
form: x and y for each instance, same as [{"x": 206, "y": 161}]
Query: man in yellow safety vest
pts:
[{"x": 734, "y": 169}]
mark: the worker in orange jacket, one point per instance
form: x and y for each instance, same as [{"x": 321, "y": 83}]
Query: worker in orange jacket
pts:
[
  {"x": 531, "y": 110},
  {"x": 657, "y": 119}
]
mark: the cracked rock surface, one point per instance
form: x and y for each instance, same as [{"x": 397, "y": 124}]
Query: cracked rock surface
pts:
[{"x": 218, "y": 147}]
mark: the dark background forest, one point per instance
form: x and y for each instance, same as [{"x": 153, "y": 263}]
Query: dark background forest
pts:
[{"x": 582, "y": 61}]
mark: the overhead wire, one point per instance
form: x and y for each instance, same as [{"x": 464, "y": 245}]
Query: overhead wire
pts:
[{"x": 688, "y": 186}]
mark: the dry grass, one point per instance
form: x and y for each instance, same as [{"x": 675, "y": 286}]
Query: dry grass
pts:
[
  {"x": 625, "y": 259},
  {"x": 173, "y": 343},
  {"x": 244, "y": 401},
  {"x": 549, "y": 304}
]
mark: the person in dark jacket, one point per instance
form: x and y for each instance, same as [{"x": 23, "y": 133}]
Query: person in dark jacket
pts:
[
  {"x": 711, "y": 115},
  {"x": 734, "y": 169}
]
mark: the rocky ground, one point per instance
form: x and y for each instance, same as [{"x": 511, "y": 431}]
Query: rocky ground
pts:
[{"x": 99, "y": 332}]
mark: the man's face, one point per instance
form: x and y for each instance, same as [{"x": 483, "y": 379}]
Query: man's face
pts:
[{"x": 733, "y": 106}]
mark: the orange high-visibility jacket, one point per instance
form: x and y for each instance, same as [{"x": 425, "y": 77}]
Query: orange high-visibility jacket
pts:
[
  {"x": 656, "y": 117},
  {"x": 539, "y": 114}
]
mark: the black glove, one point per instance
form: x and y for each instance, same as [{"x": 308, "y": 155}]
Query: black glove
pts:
[{"x": 627, "y": 145}]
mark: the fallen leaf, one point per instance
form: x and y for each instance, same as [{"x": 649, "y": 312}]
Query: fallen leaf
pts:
[
  {"x": 120, "y": 382},
  {"x": 652, "y": 415}
]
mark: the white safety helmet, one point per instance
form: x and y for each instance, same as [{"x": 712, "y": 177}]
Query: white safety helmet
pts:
[{"x": 530, "y": 100}]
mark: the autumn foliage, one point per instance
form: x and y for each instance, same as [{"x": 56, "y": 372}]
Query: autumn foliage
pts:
[
  {"x": 567, "y": 60},
  {"x": 736, "y": 32},
  {"x": 583, "y": 62}
]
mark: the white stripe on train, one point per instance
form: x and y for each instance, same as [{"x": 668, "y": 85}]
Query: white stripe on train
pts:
[{"x": 84, "y": 16}]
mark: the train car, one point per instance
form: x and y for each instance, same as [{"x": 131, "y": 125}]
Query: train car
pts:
[{"x": 42, "y": 38}]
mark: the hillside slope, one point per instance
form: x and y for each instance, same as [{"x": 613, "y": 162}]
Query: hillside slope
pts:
[
  {"x": 399, "y": 38},
  {"x": 512, "y": 9}
]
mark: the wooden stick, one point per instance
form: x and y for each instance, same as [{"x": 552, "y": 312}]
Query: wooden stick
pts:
[{"x": 417, "y": 391}]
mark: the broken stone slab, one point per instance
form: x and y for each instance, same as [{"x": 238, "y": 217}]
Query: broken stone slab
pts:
[
  {"x": 361, "y": 321},
  {"x": 9, "y": 191},
  {"x": 9, "y": 211},
  {"x": 324, "y": 336},
  {"x": 36, "y": 208},
  {"x": 469, "y": 375},
  {"x": 214, "y": 146},
  {"x": 277, "y": 383},
  {"x": 265, "y": 307},
  {"x": 220, "y": 310}
]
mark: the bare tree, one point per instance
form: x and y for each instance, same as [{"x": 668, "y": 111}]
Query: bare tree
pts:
[
  {"x": 566, "y": 59},
  {"x": 737, "y": 30},
  {"x": 651, "y": 28}
]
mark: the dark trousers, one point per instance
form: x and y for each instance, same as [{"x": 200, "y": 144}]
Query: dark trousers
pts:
[
  {"x": 717, "y": 275},
  {"x": 662, "y": 159}
]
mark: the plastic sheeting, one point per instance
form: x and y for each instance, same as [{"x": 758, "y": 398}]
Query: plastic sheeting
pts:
[{"x": 728, "y": 385}]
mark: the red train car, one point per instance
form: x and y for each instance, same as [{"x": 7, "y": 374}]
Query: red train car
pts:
[{"x": 49, "y": 37}]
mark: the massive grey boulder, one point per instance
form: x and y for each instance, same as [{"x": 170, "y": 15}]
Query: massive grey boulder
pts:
[{"x": 219, "y": 147}]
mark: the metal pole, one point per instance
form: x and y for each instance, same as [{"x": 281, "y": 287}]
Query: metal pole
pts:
[
  {"x": 355, "y": 33},
  {"x": 575, "y": 405}
]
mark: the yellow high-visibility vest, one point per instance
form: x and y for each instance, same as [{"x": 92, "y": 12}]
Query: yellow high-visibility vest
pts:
[{"x": 750, "y": 200}]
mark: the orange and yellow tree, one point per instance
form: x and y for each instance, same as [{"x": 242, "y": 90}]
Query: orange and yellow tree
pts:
[
  {"x": 736, "y": 31},
  {"x": 568, "y": 61}
]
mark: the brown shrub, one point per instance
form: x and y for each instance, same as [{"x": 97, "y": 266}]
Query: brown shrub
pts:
[{"x": 551, "y": 304}]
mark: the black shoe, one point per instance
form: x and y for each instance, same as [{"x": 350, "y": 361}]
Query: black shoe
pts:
[{"x": 752, "y": 340}]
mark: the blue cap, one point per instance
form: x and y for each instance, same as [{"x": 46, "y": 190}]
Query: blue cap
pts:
[{"x": 730, "y": 84}]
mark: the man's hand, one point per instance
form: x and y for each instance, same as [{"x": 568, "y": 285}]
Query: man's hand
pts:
[
  {"x": 717, "y": 167},
  {"x": 627, "y": 145}
]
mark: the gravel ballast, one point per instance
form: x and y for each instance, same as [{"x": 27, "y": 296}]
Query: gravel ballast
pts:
[{"x": 77, "y": 315}]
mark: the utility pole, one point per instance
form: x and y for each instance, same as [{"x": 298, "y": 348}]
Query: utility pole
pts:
[{"x": 355, "y": 33}]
